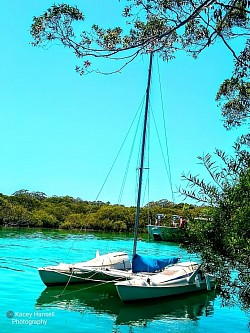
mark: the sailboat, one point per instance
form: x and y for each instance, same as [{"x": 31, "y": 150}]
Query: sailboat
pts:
[
  {"x": 94, "y": 270},
  {"x": 180, "y": 278},
  {"x": 114, "y": 266}
]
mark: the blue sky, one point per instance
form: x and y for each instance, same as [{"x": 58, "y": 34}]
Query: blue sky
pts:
[{"x": 60, "y": 133}]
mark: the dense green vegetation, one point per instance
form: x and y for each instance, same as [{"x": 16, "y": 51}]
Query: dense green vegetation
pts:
[
  {"x": 35, "y": 209},
  {"x": 223, "y": 240},
  {"x": 161, "y": 26}
]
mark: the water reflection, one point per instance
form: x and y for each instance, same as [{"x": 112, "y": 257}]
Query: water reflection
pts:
[
  {"x": 104, "y": 300},
  {"x": 44, "y": 233}
]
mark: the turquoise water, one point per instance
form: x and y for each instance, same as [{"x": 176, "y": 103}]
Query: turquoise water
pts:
[{"x": 94, "y": 309}]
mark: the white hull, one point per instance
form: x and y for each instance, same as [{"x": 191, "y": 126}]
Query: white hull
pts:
[
  {"x": 112, "y": 266},
  {"x": 136, "y": 293},
  {"x": 52, "y": 277},
  {"x": 165, "y": 284}
]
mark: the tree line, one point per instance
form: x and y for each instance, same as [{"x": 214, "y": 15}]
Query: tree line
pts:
[{"x": 35, "y": 209}]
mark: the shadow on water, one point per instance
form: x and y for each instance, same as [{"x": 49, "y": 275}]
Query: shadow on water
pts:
[
  {"x": 16, "y": 232},
  {"x": 104, "y": 300}
]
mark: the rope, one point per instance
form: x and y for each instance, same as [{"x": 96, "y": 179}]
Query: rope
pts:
[
  {"x": 146, "y": 186},
  {"x": 99, "y": 284},
  {"x": 165, "y": 133},
  {"x": 163, "y": 156},
  {"x": 89, "y": 287},
  {"x": 68, "y": 282},
  {"x": 111, "y": 168},
  {"x": 132, "y": 148}
]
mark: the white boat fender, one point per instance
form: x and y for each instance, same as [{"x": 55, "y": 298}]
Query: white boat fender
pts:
[
  {"x": 193, "y": 276},
  {"x": 197, "y": 281},
  {"x": 208, "y": 282}
]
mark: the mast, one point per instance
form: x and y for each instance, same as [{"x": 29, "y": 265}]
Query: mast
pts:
[{"x": 144, "y": 134}]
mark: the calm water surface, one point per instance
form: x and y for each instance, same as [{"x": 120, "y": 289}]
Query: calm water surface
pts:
[{"x": 85, "y": 308}]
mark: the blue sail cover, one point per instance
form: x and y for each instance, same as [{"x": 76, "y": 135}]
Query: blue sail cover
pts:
[{"x": 149, "y": 264}]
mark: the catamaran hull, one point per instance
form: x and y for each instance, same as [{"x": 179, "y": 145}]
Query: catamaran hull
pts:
[
  {"x": 110, "y": 266},
  {"x": 56, "y": 278},
  {"x": 138, "y": 293}
]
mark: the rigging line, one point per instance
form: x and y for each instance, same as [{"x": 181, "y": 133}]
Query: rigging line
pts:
[
  {"x": 146, "y": 190},
  {"x": 89, "y": 287},
  {"x": 80, "y": 278},
  {"x": 131, "y": 151},
  {"x": 165, "y": 131},
  {"x": 72, "y": 272},
  {"x": 148, "y": 174},
  {"x": 146, "y": 182},
  {"x": 111, "y": 168},
  {"x": 147, "y": 146},
  {"x": 162, "y": 152},
  {"x": 142, "y": 154},
  {"x": 138, "y": 153}
]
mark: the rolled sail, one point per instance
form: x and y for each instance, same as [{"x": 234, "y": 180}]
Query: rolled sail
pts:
[{"x": 149, "y": 264}]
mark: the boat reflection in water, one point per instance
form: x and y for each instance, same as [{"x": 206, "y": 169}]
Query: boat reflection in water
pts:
[{"x": 104, "y": 300}]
